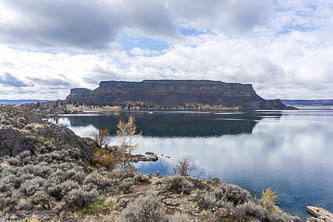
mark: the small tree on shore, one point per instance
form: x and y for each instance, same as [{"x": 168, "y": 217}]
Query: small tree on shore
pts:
[
  {"x": 102, "y": 138},
  {"x": 268, "y": 199},
  {"x": 127, "y": 132},
  {"x": 183, "y": 167}
]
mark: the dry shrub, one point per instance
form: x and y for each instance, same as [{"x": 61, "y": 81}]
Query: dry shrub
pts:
[
  {"x": 102, "y": 137},
  {"x": 177, "y": 184},
  {"x": 107, "y": 161},
  {"x": 144, "y": 209},
  {"x": 183, "y": 167},
  {"x": 251, "y": 209},
  {"x": 28, "y": 115}
]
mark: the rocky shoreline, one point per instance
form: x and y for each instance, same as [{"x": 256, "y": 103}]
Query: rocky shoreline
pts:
[{"x": 47, "y": 173}]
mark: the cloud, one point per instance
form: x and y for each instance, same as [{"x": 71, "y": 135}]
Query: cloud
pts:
[
  {"x": 95, "y": 24},
  {"x": 10, "y": 80},
  {"x": 80, "y": 24},
  {"x": 281, "y": 47},
  {"x": 225, "y": 16},
  {"x": 50, "y": 82}
]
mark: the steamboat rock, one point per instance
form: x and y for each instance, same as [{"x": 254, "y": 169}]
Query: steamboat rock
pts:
[{"x": 175, "y": 93}]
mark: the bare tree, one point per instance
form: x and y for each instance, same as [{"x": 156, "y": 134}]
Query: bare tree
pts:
[
  {"x": 183, "y": 167},
  {"x": 102, "y": 137}
]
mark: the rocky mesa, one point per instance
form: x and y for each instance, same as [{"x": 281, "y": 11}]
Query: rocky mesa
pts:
[{"x": 194, "y": 94}]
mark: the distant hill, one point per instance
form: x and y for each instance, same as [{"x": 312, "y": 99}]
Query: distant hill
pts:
[
  {"x": 308, "y": 102},
  {"x": 175, "y": 94}
]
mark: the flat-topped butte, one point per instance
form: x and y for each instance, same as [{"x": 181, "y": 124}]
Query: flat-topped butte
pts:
[{"x": 175, "y": 94}]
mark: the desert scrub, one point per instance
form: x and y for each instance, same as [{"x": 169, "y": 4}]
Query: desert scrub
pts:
[
  {"x": 181, "y": 218},
  {"x": 224, "y": 195},
  {"x": 80, "y": 198},
  {"x": 141, "y": 179},
  {"x": 251, "y": 209},
  {"x": 49, "y": 180},
  {"x": 43, "y": 199},
  {"x": 126, "y": 186},
  {"x": 106, "y": 160},
  {"x": 98, "y": 181},
  {"x": 144, "y": 209},
  {"x": 214, "y": 199},
  {"x": 177, "y": 184}
]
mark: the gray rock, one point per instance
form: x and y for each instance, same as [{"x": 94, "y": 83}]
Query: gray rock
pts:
[
  {"x": 66, "y": 138},
  {"x": 13, "y": 142}
]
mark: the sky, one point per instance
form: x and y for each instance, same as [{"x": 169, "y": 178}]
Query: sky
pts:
[{"x": 283, "y": 47}]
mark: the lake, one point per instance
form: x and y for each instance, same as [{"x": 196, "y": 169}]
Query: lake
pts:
[
  {"x": 20, "y": 102},
  {"x": 289, "y": 151}
]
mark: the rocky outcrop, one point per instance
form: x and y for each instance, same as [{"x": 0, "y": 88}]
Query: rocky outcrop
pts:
[
  {"x": 320, "y": 214},
  {"x": 13, "y": 142},
  {"x": 23, "y": 129},
  {"x": 202, "y": 94}
]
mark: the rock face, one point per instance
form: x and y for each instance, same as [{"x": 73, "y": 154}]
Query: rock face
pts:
[
  {"x": 174, "y": 93},
  {"x": 13, "y": 142},
  {"x": 17, "y": 135}
]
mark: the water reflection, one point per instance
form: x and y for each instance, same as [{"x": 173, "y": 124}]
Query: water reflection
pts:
[
  {"x": 290, "y": 152},
  {"x": 176, "y": 124}
]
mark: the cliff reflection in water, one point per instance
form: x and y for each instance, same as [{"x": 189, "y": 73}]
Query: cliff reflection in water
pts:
[
  {"x": 290, "y": 151},
  {"x": 175, "y": 124}
]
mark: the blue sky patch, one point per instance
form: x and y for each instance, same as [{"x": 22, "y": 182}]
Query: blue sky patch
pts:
[
  {"x": 127, "y": 43},
  {"x": 189, "y": 31}
]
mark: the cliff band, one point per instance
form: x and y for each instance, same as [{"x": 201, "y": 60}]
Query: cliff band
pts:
[{"x": 174, "y": 93}]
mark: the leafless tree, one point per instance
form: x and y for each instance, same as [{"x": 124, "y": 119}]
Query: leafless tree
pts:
[
  {"x": 183, "y": 167},
  {"x": 102, "y": 137}
]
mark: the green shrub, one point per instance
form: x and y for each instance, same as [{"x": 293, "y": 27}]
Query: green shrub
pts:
[
  {"x": 95, "y": 208},
  {"x": 268, "y": 199}
]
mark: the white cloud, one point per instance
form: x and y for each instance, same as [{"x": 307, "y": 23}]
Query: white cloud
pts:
[
  {"x": 10, "y": 80},
  {"x": 282, "y": 47},
  {"x": 80, "y": 24}
]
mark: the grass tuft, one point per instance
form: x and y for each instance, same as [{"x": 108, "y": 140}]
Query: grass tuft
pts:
[{"x": 96, "y": 208}]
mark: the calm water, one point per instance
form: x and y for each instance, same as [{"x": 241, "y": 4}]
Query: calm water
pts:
[
  {"x": 20, "y": 102},
  {"x": 290, "y": 151}
]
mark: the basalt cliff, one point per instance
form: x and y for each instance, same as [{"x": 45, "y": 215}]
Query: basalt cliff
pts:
[{"x": 192, "y": 94}]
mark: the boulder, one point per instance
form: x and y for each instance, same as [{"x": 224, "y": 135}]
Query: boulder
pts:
[
  {"x": 65, "y": 138},
  {"x": 13, "y": 142}
]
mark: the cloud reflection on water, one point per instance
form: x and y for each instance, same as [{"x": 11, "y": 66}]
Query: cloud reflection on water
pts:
[{"x": 291, "y": 155}]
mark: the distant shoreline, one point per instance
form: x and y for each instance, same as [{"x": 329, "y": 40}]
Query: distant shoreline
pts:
[
  {"x": 21, "y": 101},
  {"x": 314, "y": 107}
]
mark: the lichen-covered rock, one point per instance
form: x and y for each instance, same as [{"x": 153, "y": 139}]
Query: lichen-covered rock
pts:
[
  {"x": 65, "y": 138},
  {"x": 13, "y": 142}
]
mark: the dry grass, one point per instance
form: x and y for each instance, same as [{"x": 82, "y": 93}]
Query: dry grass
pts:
[
  {"x": 32, "y": 219},
  {"x": 5, "y": 165},
  {"x": 106, "y": 160}
]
